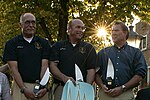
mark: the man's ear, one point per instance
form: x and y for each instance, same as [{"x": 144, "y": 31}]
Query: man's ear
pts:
[
  {"x": 69, "y": 30},
  {"x": 20, "y": 25}
]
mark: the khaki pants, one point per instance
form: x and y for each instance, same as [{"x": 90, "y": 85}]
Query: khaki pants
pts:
[
  {"x": 17, "y": 95},
  {"x": 56, "y": 92},
  {"x": 127, "y": 95}
]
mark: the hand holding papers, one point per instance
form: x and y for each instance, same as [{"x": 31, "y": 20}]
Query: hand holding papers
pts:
[{"x": 43, "y": 82}]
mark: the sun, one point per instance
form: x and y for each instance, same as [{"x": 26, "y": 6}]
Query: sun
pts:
[{"x": 101, "y": 32}]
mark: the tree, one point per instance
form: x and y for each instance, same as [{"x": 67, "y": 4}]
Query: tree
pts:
[
  {"x": 102, "y": 13},
  {"x": 53, "y": 15}
]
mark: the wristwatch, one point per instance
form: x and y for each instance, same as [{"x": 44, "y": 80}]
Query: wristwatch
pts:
[
  {"x": 22, "y": 89},
  {"x": 123, "y": 88}
]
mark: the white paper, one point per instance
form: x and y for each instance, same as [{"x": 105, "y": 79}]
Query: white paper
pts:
[
  {"x": 45, "y": 77},
  {"x": 78, "y": 73},
  {"x": 110, "y": 69}
]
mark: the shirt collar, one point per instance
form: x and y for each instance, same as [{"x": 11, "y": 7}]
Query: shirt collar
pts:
[
  {"x": 78, "y": 43},
  {"x": 121, "y": 47},
  {"x": 35, "y": 38}
]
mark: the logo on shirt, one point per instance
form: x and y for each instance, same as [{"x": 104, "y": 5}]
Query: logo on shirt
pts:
[
  {"x": 37, "y": 45},
  {"x": 82, "y": 50},
  {"x": 62, "y": 49},
  {"x": 20, "y": 47}
]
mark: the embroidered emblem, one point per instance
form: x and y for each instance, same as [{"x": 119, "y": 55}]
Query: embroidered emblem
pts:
[
  {"x": 82, "y": 50},
  {"x": 62, "y": 49},
  {"x": 37, "y": 45},
  {"x": 19, "y": 47}
]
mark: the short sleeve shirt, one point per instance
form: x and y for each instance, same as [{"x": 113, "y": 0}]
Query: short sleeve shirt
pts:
[
  {"x": 28, "y": 56},
  {"x": 83, "y": 54}
]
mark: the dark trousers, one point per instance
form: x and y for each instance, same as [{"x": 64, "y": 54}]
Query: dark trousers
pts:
[{"x": 143, "y": 94}]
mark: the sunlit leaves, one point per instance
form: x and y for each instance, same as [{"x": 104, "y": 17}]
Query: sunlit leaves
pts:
[{"x": 94, "y": 13}]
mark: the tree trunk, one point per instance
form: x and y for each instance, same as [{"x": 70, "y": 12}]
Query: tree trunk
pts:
[
  {"x": 45, "y": 29},
  {"x": 63, "y": 20}
]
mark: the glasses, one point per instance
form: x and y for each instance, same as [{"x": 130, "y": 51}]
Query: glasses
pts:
[{"x": 30, "y": 22}]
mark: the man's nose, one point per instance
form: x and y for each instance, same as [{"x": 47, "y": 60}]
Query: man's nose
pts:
[{"x": 31, "y": 24}]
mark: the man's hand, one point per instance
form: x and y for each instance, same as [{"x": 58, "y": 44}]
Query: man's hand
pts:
[
  {"x": 41, "y": 93},
  {"x": 30, "y": 94},
  {"x": 66, "y": 78},
  {"x": 105, "y": 88},
  {"x": 112, "y": 92},
  {"x": 115, "y": 92}
]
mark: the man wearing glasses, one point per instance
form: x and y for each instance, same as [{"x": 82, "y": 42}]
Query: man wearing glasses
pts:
[{"x": 27, "y": 56}]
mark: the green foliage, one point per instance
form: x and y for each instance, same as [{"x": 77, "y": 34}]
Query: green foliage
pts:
[
  {"x": 94, "y": 13},
  {"x": 102, "y": 13}
]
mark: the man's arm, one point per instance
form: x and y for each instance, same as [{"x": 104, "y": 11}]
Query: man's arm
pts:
[
  {"x": 4, "y": 68},
  {"x": 133, "y": 82},
  {"x": 14, "y": 68},
  {"x": 58, "y": 74},
  {"x": 90, "y": 76},
  {"x": 16, "y": 75},
  {"x": 99, "y": 82},
  {"x": 130, "y": 84},
  {"x": 43, "y": 67}
]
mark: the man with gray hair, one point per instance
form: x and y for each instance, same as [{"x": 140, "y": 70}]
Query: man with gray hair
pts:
[{"x": 27, "y": 56}]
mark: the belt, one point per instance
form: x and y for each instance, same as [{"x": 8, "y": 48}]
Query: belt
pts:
[{"x": 30, "y": 81}]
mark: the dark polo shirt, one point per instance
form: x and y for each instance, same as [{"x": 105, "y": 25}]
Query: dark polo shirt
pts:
[
  {"x": 28, "y": 55},
  {"x": 83, "y": 54}
]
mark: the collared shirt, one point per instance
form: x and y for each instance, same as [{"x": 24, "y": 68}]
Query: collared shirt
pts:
[
  {"x": 28, "y": 55},
  {"x": 127, "y": 61},
  {"x": 4, "y": 88},
  {"x": 83, "y": 54}
]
